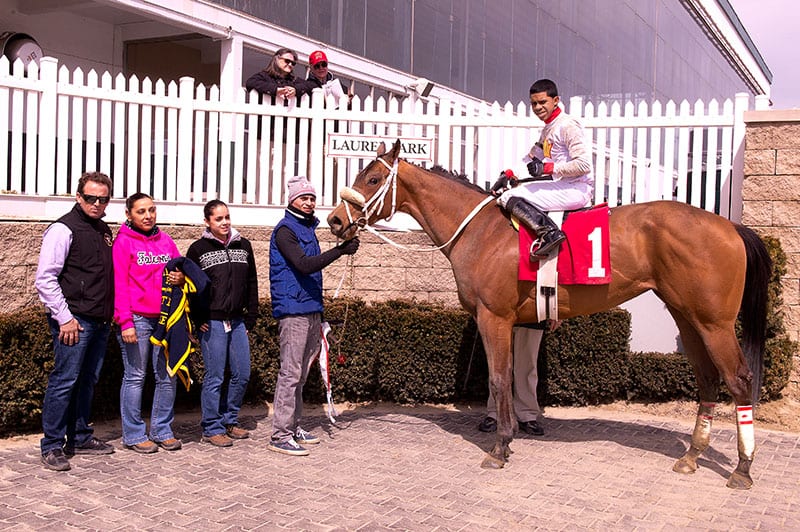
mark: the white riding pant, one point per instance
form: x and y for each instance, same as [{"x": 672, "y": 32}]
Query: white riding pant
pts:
[{"x": 548, "y": 196}]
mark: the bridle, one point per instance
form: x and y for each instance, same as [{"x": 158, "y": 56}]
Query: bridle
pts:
[{"x": 377, "y": 201}]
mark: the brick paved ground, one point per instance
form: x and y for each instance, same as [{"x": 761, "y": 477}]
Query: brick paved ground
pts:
[{"x": 411, "y": 469}]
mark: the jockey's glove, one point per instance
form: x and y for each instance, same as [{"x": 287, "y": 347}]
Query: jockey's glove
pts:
[
  {"x": 506, "y": 180},
  {"x": 537, "y": 168}
]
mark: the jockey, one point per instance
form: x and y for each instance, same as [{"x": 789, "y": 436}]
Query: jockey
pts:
[{"x": 561, "y": 167}]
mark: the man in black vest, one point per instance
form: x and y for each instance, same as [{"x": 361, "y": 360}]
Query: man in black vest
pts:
[{"x": 75, "y": 281}]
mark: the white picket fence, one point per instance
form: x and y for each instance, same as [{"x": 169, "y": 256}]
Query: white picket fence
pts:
[{"x": 186, "y": 144}]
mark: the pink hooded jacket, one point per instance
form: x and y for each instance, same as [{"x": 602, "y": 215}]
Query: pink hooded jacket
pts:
[{"x": 138, "y": 266}]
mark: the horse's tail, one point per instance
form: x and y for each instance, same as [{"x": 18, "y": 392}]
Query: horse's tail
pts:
[{"x": 753, "y": 312}]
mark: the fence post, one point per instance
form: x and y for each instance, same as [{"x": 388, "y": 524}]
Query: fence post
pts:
[
  {"x": 46, "y": 174},
  {"x": 316, "y": 163},
  {"x": 185, "y": 136},
  {"x": 737, "y": 177}
]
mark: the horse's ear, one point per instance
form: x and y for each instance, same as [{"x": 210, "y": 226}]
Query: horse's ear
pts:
[
  {"x": 381, "y": 149},
  {"x": 396, "y": 150}
]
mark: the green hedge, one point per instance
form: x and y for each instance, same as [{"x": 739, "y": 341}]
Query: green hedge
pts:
[{"x": 404, "y": 352}]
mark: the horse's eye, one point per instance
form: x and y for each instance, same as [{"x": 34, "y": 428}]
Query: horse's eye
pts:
[{"x": 373, "y": 180}]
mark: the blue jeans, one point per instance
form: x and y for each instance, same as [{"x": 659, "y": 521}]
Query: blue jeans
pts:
[
  {"x": 300, "y": 343},
  {"x": 67, "y": 403},
  {"x": 135, "y": 357},
  {"x": 221, "y": 401}
]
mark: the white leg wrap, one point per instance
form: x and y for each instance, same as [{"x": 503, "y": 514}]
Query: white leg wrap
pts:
[{"x": 745, "y": 431}]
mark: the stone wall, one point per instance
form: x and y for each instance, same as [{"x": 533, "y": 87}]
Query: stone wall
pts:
[
  {"x": 376, "y": 273},
  {"x": 771, "y": 197}
]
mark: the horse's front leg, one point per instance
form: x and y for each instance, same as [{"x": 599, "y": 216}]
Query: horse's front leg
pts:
[{"x": 496, "y": 336}]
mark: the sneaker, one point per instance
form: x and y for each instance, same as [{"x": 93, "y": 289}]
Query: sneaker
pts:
[
  {"x": 172, "y": 444},
  {"x": 217, "y": 440},
  {"x": 92, "y": 446},
  {"x": 304, "y": 437},
  {"x": 237, "y": 433},
  {"x": 531, "y": 427},
  {"x": 489, "y": 424},
  {"x": 287, "y": 447},
  {"x": 146, "y": 447},
  {"x": 55, "y": 460}
]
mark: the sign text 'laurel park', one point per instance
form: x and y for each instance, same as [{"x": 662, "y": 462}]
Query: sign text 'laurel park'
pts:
[{"x": 365, "y": 146}]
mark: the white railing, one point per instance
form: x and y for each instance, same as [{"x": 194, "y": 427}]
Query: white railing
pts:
[{"x": 185, "y": 144}]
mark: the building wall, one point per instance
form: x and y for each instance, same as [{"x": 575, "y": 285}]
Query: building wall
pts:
[
  {"x": 602, "y": 50},
  {"x": 771, "y": 195}
]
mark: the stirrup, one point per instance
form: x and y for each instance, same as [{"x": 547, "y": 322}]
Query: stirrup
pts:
[{"x": 545, "y": 249}]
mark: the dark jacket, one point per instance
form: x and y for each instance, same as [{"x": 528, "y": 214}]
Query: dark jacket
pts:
[
  {"x": 179, "y": 306},
  {"x": 266, "y": 84},
  {"x": 234, "y": 281},
  {"x": 87, "y": 278}
]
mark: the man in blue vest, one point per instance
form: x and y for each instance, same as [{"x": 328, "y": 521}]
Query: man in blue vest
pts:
[
  {"x": 75, "y": 281},
  {"x": 295, "y": 278}
]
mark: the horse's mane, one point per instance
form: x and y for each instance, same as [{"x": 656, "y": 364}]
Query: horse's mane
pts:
[{"x": 458, "y": 178}]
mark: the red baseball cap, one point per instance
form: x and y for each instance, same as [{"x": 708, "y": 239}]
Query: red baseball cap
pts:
[{"x": 316, "y": 57}]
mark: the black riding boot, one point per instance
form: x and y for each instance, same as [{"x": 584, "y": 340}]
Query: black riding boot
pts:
[{"x": 549, "y": 234}]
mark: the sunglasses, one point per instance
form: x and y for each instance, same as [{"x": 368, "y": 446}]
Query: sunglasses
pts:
[
  {"x": 91, "y": 199},
  {"x": 321, "y": 64},
  {"x": 289, "y": 62}
]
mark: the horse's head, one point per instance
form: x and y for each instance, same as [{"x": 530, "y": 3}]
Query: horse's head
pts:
[{"x": 363, "y": 203}]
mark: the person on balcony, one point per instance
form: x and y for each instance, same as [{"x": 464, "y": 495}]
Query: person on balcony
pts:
[
  {"x": 560, "y": 164},
  {"x": 227, "y": 258},
  {"x": 321, "y": 78},
  {"x": 277, "y": 80},
  {"x": 141, "y": 250},
  {"x": 75, "y": 282}
]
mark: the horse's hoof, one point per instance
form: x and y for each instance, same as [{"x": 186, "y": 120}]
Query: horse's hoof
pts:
[
  {"x": 490, "y": 462},
  {"x": 740, "y": 481},
  {"x": 684, "y": 466}
]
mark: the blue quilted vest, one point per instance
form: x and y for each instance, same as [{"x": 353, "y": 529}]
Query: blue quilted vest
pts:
[{"x": 293, "y": 293}]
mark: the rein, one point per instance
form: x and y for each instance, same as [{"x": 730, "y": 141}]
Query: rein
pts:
[{"x": 376, "y": 203}]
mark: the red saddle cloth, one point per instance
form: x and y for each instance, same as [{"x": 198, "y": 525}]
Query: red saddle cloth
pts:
[{"x": 584, "y": 257}]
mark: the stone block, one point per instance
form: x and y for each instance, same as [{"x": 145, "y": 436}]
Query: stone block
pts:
[
  {"x": 16, "y": 288},
  {"x": 791, "y": 321},
  {"x": 787, "y": 162},
  {"x": 785, "y": 135},
  {"x": 791, "y": 291},
  {"x": 759, "y": 136},
  {"x": 792, "y": 265},
  {"x": 771, "y": 187},
  {"x": 757, "y": 213},
  {"x": 431, "y": 280},
  {"x": 786, "y": 213},
  {"x": 759, "y": 162},
  {"x": 380, "y": 278}
]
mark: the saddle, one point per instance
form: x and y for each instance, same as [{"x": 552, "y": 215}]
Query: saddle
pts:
[{"x": 584, "y": 258}]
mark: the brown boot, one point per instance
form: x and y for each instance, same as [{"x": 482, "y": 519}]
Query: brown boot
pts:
[
  {"x": 237, "y": 433},
  {"x": 218, "y": 440}
]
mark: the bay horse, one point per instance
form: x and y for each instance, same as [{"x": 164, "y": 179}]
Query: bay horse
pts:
[{"x": 702, "y": 266}]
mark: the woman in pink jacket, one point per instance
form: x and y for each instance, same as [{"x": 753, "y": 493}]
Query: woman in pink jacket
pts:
[{"x": 140, "y": 252}]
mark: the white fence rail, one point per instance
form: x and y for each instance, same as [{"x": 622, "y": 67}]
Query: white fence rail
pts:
[{"x": 185, "y": 144}]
